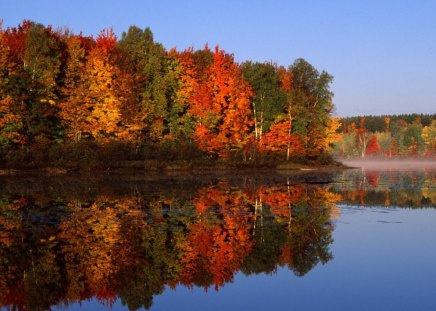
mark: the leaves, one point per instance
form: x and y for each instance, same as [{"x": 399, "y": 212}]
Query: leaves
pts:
[
  {"x": 59, "y": 87},
  {"x": 278, "y": 139},
  {"x": 221, "y": 106}
]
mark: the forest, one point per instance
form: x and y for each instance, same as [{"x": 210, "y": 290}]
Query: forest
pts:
[
  {"x": 388, "y": 136},
  {"x": 72, "y": 100}
]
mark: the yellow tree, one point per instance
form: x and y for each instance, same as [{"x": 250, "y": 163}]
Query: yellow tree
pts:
[
  {"x": 74, "y": 109},
  {"x": 106, "y": 102},
  {"x": 331, "y": 134},
  {"x": 429, "y": 136}
]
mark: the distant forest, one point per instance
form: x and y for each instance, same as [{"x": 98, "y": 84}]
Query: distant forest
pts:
[
  {"x": 378, "y": 123},
  {"x": 407, "y": 135},
  {"x": 68, "y": 99}
]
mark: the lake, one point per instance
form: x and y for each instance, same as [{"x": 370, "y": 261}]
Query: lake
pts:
[{"x": 358, "y": 239}]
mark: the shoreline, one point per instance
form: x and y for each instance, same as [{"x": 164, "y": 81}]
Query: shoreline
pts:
[
  {"x": 170, "y": 168},
  {"x": 220, "y": 168}
]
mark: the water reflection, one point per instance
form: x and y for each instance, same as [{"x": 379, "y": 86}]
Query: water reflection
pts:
[
  {"x": 73, "y": 240},
  {"x": 413, "y": 189},
  {"x": 63, "y": 249}
]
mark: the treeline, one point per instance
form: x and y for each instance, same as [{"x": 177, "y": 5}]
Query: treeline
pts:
[
  {"x": 412, "y": 135},
  {"x": 72, "y": 97},
  {"x": 378, "y": 123}
]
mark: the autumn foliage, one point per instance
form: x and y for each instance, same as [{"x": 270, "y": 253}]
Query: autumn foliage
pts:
[
  {"x": 373, "y": 147},
  {"x": 60, "y": 89},
  {"x": 278, "y": 139},
  {"x": 400, "y": 136}
]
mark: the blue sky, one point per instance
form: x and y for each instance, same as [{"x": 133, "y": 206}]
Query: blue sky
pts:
[{"x": 382, "y": 53}]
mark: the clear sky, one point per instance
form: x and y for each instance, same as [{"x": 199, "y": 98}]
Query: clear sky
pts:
[{"x": 382, "y": 53}]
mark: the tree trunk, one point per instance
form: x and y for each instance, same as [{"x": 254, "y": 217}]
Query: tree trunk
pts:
[
  {"x": 288, "y": 148},
  {"x": 255, "y": 121},
  {"x": 261, "y": 125}
]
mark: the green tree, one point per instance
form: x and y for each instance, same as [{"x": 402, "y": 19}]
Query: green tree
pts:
[
  {"x": 158, "y": 86},
  {"x": 43, "y": 60},
  {"x": 346, "y": 145},
  {"x": 269, "y": 99},
  {"x": 35, "y": 62},
  {"x": 398, "y": 129},
  {"x": 413, "y": 139},
  {"x": 312, "y": 98},
  {"x": 385, "y": 141},
  {"x": 156, "y": 77}
]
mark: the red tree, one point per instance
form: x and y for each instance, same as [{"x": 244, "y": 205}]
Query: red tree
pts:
[
  {"x": 278, "y": 139},
  {"x": 221, "y": 107},
  {"x": 373, "y": 147}
]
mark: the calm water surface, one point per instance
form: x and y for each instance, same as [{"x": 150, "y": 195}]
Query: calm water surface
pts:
[{"x": 350, "y": 240}]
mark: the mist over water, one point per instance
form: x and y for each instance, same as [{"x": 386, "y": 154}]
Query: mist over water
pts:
[{"x": 400, "y": 165}]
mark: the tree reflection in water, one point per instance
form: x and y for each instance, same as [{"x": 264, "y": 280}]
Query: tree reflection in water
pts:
[
  {"x": 414, "y": 188},
  {"x": 109, "y": 242},
  {"x": 64, "y": 249}
]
